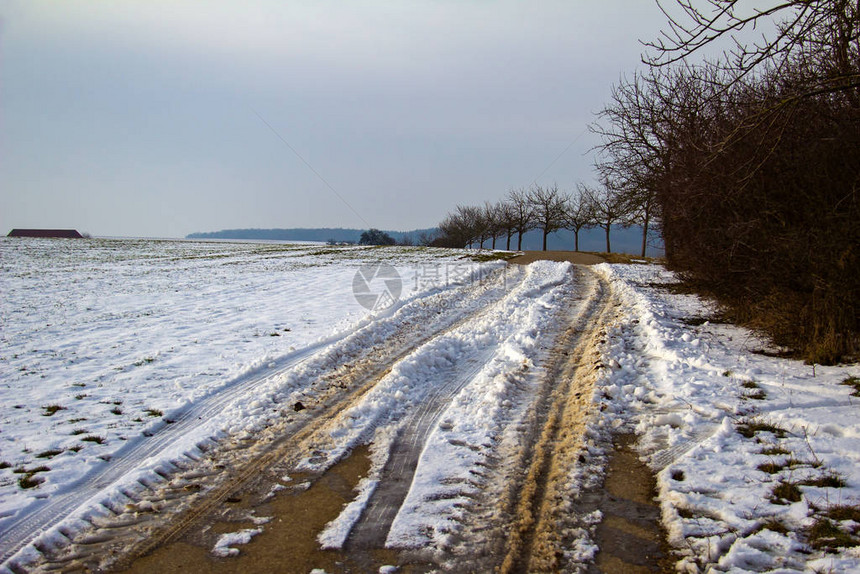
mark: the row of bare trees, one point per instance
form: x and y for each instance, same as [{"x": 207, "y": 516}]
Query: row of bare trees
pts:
[
  {"x": 547, "y": 209},
  {"x": 751, "y": 163}
]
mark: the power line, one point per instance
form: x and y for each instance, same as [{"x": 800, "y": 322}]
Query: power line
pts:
[
  {"x": 558, "y": 157},
  {"x": 310, "y": 167}
]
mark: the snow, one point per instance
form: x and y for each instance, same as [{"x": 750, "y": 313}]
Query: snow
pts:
[
  {"x": 224, "y": 547},
  {"x": 115, "y": 334},
  {"x": 487, "y": 362},
  {"x": 108, "y": 347},
  {"x": 105, "y": 343},
  {"x": 689, "y": 390}
]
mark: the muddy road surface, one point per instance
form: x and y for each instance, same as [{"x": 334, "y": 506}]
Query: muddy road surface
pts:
[{"x": 444, "y": 439}]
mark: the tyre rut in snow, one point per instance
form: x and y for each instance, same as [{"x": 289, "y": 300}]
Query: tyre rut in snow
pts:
[
  {"x": 484, "y": 362},
  {"x": 526, "y": 530},
  {"x": 396, "y": 477},
  {"x": 195, "y": 487},
  {"x": 537, "y": 537},
  {"x": 293, "y": 446}
]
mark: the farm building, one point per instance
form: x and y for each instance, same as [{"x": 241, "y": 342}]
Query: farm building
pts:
[{"x": 63, "y": 233}]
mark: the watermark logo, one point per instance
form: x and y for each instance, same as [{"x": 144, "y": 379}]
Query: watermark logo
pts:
[{"x": 376, "y": 286}]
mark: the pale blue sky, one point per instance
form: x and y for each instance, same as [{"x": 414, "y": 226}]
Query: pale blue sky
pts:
[{"x": 139, "y": 118}]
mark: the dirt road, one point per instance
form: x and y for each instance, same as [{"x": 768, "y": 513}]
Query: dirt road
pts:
[
  {"x": 576, "y": 257},
  {"x": 513, "y": 507}
]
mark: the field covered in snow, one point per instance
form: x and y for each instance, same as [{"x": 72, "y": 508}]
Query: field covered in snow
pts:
[
  {"x": 106, "y": 342},
  {"x": 118, "y": 356}
]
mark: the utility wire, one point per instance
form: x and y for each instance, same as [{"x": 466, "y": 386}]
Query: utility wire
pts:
[
  {"x": 310, "y": 167},
  {"x": 558, "y": 157}
]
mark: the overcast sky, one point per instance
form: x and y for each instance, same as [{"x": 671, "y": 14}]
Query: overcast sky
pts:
[{"x": 159, "y": 118}]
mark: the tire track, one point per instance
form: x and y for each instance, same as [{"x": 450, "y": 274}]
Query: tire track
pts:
[
  {"x": 41, "y": 515},
  {"x": 394, "y": 481},
  {"x": 531, "y": 503},
  {"x": 535, "y": 542},
  {"x": 356, "y": 374},
  {"x": 396, "y": 476}
]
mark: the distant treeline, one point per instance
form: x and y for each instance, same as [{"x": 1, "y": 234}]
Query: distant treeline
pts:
[
  {"x": 322, "y": 234},
  {"x": 626, "y": 240},
  {"x": 550, "y": 211}
]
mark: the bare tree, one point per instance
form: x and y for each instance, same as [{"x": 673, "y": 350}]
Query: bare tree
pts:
[
  {"x": 425, "y": 238},
  {"x": 493, "y": 220},
  {"x": 462, "y": 228},
  {"x": 821, "y": 31},
  {"x": 523, "y": 215},
  {"x": 639, "y": 130},
  {"x": 579, "y": 214},
  {"x": 608, "y": 208},
  {"x": 642, "y": 208},
  {"x": 507, "y": 221},
  {"x": 474, "y": 224},
  {"x": 406, "y": 240},
  {"x": 548, "y": 206},
  {"x": 452, "y": 232},
  {"x": 751, "y": 162}
]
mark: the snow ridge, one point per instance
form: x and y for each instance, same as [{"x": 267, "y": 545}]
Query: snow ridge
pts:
[{"x": 499, "y": 344}]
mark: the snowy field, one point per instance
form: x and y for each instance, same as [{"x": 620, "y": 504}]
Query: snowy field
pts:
[
  {"x": 118, "y": 356},
  {"x": 758, "y": 458},
  {"x": 107, "y": 342}
]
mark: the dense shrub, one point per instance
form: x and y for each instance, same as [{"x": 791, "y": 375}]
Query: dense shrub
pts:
[
  {"x": 766, "y": 218},
  {"x": 754, "y": 165}
]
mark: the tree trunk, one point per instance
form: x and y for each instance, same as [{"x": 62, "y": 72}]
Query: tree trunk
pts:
[
  {"x": 645, "y": 234},
  {"x": 545, "y": 233},
  {"x": 608, "y": 246},
  {"x": 508, "y": 246},
  {"x": 576, "y": 240},
  {"x": 520, "y": 241},
  {"x": 494, "y": 243}
]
